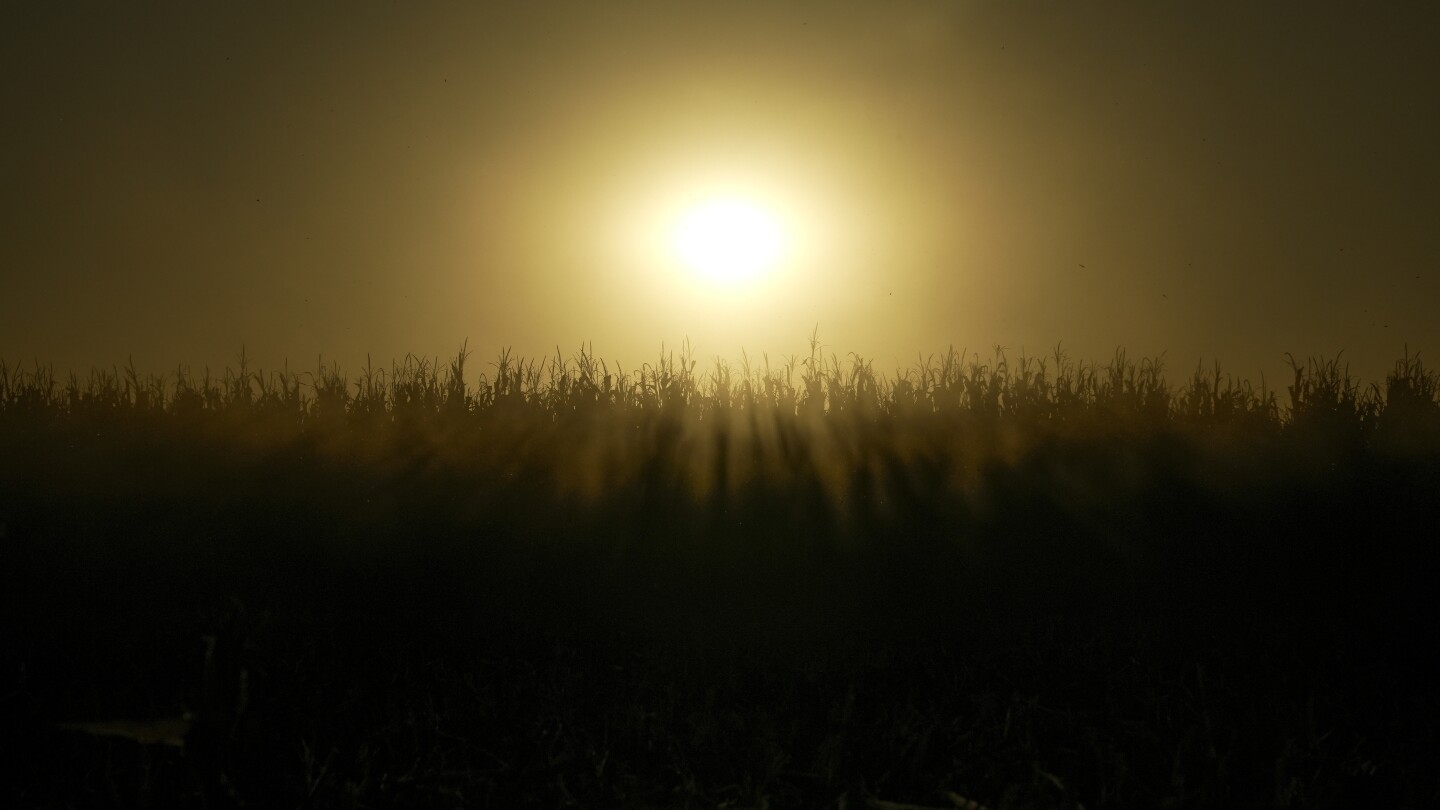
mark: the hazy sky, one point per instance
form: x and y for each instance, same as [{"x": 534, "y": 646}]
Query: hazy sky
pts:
[{"x": 1209, "y": 180}]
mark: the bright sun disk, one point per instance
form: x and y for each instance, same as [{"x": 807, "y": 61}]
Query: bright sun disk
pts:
[{"x": 728, "y": 241}]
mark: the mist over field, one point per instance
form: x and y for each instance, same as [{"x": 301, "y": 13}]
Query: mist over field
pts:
[
  {"x": 342, "y": 463},
  {"x": 799, "y": 584}
]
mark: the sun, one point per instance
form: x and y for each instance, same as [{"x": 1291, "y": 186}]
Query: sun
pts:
[{"x": 728, "y": 241}]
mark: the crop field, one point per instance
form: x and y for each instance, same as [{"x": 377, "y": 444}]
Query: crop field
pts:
[{"x": 979, "y": 582}]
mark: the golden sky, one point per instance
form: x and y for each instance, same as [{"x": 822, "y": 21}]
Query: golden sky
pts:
[{"x": 1225, "y": 181}]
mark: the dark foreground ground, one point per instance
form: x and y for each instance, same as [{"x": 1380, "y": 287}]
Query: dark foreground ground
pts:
[{"x": 388, "y": 639}]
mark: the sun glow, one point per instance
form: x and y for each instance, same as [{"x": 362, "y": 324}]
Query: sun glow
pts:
[{"x": 729, "y": 241}]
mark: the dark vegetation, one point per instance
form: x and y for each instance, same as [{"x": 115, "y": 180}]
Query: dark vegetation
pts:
[{"x": 1027, "y": 584}]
